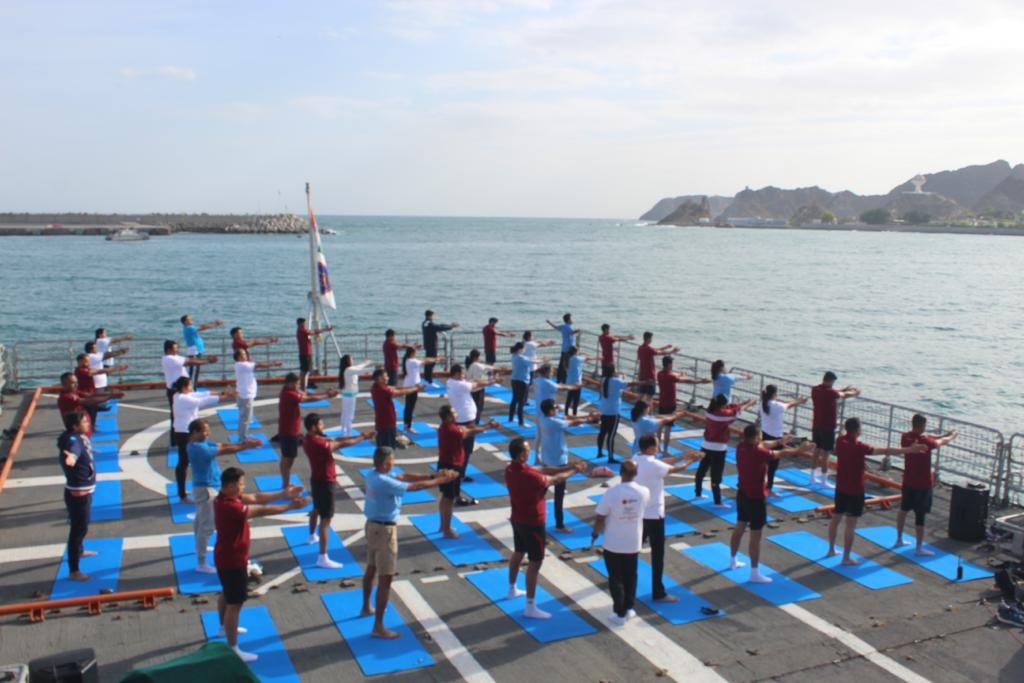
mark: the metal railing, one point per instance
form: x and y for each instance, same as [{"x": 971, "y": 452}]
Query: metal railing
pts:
[{"x": 1013, "y": 474}]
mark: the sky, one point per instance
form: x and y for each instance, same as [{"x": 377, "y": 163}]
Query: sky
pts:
[{"x": 594, "y": 108}]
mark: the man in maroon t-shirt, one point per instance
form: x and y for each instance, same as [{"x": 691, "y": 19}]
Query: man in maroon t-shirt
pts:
[
  {"x": 70, "y": 400},
  {"x": 451, "y": 455},
  {"x": 232, "y": 509},
  {"x": 667, "y": 403},
  {"x": 752, "y": 458},
  {"x": 849, "y": 498},
  {"x": 323, "y": 478},
  {"x": 304, "y": 337},
  {"x": 607, "y": 341},
  {"x": 239, "y": 342},
  {"x": 645, "y": 355},
  {"x": 527, "y": 491},
  {"x": 918, "y": 480},
  {"x": 385, "y": 419},
  {"x": 391, "y": 348},
  {"x": 491, "y": 334},
  {"x": 825, "y": 398},
  {"x": 289, "y": 421}
]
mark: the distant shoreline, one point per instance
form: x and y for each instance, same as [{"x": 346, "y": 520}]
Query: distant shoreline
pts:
[{"x": 864, "y": 227}]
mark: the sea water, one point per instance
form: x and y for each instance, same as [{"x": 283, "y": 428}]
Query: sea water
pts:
[{"x": 924, "y": 320}]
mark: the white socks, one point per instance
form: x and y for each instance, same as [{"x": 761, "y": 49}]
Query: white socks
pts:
[
  {"x": 757, "y": 577},
  {"x": 314, "y": 539},
  {"x": 204, "y": 568},
  {"x": 325, "y": 562},
  {"x": 241, "y": 629},
  {"x": 514, "y": 592},
  {"x": 533, "y": 612},
  {"x": 245, "y": 656},
  {"x": 736, "y": 564}
]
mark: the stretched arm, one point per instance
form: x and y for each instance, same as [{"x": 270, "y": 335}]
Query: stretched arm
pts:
[
  {"x": 553, "y": 326},
  {"x": 476, "y": 429},
  {"x": 425, "y": 481},
  {"x": 849, "y": 391},
  {"x": 201, "y": 361},
  {"x": 481, "y": 383},
  {"x": 947, "y": 437},
  {"x": 209, "y": 326},
  {"x": 293, "y": 492},
  {"x": 665, "y": 350},
  {"x": 623, "y": 337},
  {"x": 104, "y": 370},
  {"x": 433, "y": 359},
  {"x": 909, "y": 450},
  {"x": 268, "y": 364},
  {"x": 344, "y": 441},
  {"x": 556, "y": 475},
  {"x": 115, "y": 353},
  {"x": 121, "y": 339},
  {"x": 322, "y": 330},
  {"x": 265, "y": 510},
  {"x": 504, "y": 334},
  {"x": 319, "y": 396},
  {"x": 417, "y": 345},
  {"x": 681, "y": 462},
  {"x": 402, "y": 391},
  {"x": 229, "y": 448},
  {"x": 748, "y": 404},
  {"x": 796, "y": 402},
  {"x": 262, "y": 341}
]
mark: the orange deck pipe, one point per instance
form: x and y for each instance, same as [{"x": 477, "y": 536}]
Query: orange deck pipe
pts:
[
  {"x": 16, "y": 443},
  {"x": 37, "y": 610}
]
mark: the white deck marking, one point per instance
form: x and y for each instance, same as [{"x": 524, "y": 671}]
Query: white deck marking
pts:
[
  {"x": 58, "y": 480},
  {"x": 464, "y": 662},
  {"x": 291, "y": 573},
  {"x": 138, "y": 407},
  {"x": 435, "y": 579},
  {"x": 645, "y": 639}
]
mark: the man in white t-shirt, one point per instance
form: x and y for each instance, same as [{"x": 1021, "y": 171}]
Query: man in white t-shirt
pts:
[
  {"x": 245, "y": 385},
  {"x": 460, "y": 397},
  {"x": 620, "y": 516},
  {"x": 651, "y": 473},
  {"x": 530, "y": 349},
  {"x": 173, "y": 366},
  {"x": 96, "y": 358},
  {"x": 103, "y": 342}
]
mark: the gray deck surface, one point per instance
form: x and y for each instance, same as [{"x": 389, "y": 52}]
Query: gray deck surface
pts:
[{"x": 935, "y": 629}]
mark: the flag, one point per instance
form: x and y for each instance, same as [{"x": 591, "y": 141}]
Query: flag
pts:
[{"x": 322, "y": 278}]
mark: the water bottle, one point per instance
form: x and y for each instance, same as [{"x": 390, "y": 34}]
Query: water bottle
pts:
[{"x": 959, "y": 568}]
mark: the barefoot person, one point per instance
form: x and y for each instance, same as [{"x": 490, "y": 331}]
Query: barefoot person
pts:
[
  {"x": 771, "y": 413},
  {"x": 245, "y": 385},
  {"x": 825, "y": 398},
  {"x": 411, "y": 367},
  {"x": 195, "y": 347},
  {"x": 718, "y": 416},
  {"x": 75, "y": 456},
  {"x": 187, "y": 404},
  {"x": 568, "y": 341},
  {"x": 554, "y": 453},
  {"x": 384, "y": 492},
  {"x": 232, "y": 509},
  {"x": 348, "y": 384},
  {"x": 607, "y": 342},
  {"x": 527, "y": 489},
  {"x": 918, "y": 480},
  {"x": 289, "y": 421},
  {"x": 620, "y": 517},
  {"x": 451, "y": 455},
  {"x": 753, "y": 457},
  {"x": 651, "y": 473},
  {"x": 323, "y": 480},
  {"x": 430, "y": 331},
  {"x": 385, "y": 420},
  {"x": 202, "y": 456},
  {"x": 304, "y": 339},
  {"x": 849, "y": 498}
]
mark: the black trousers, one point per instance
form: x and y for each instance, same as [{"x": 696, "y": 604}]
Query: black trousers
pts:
[
  {"x": 387, "y": 437},
  {"x": 410, "y": 408},
  {"x": 428, "y": 371},
  {"x": 572, "y": 401},
  {"x": 392, "y": 376},
  {"x": 773, "y": 464},
  {"x": 654, "y": 532},
  {"x": 606, "y": 437},
  {"x": 78, "y": 514},
  {"x": 193, "y": 372},
  {"x": 170, "y": 432},
  {"x": 181, "y": 469},
  {"x": 468, "y": 444},
  {"x": 515, "y": 408},
  {"x": 478, "y": 399},
  {"x": 563, "y": 366},
  {"x": 621, "y": 580},
  {"x": 559, "y": 500},
  {"x": 490, "y": 357},
  {"x": 715, "y": 461}
]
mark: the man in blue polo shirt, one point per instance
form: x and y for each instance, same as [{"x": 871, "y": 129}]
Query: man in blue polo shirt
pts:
[
  {"x": 543, "y": 389},
  {"x": 195, "y": 347},
  {"x": 553, "y": 454},
  {"x": 384, "y": 492},
  {"x": 568, "y": 340}
]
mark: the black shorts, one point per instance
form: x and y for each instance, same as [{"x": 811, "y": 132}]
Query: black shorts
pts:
[
  {"x": 667, "y": 411},
  {"x": 289, "y": 446},
  {"x": 752, "y": 511},
  {"x": 305, "y": 362},
  {"x": 452, "y": 489},
  {"x": 530, "y": 540},
  {"x": 323, "y": 497},
  {"x": 850, "y": 504},
  {"x": 645, "y": 389},
  {"x": 825, "y": 439},
  {"x": 490, "y": 357},
  {"x": 234, "y": 584},
  {"x": 918, "y": 500}
]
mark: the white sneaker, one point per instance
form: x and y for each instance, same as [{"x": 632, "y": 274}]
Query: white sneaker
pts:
[
  {"x": 514, "y": 592},
  {"x": 534, "y": 612},
  {"x": 222, "y": 633},
  {"x": 616, "y": 620},
  {"x": 758, "y": 577},
  {"x": 721, "y": 506},
  {"x": 736, "y": 564},
  {"x": 325, "y": 562},
  {"x": 206, "y": 569},
  {"x": 924, "y": 552},
  {"x": 247, "y": 657},
  {"x": 631, "y": 614},
  {"x": 826, "y": 483},
  {"x": 314, "y": 539}
]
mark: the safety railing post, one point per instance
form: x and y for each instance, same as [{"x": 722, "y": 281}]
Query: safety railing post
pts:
[{"x": 886, "y": 461}]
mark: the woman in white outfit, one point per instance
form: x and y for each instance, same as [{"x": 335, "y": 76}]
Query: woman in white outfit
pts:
[
  {"x": 348, "y": 383},
  {"x": 477, "y": 371},
  {"x": 771, "y": 414}
]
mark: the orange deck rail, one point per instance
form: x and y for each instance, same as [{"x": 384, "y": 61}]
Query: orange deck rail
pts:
[
  {"x": 37, "y": 610},
  {"x": 26, "y": 417},
  {"x": 884, "y": 502}
]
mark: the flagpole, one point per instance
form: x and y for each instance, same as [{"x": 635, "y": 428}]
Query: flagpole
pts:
[{"x": 314, "y": 287}]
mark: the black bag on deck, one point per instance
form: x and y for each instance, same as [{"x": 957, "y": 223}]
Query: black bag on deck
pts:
[
  {"x": 73, "y": 666},
  {"x": 968, "y": 510}
]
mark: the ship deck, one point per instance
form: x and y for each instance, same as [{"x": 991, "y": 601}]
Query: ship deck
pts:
[{"x": 930, "y": 628}]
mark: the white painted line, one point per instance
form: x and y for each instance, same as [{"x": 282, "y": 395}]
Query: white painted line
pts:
[
  {"x": 278, "y": 580},
  {"x": 58, "y": 480},
  {"x": 355, "y": 493},
  {"x": 165, "y": 411},
  {"x": 586, "y": 559},
  {"x": 440, "y": 578},
  {"x": 464, "y": 662},
  {"x": 645, "y": 639}
]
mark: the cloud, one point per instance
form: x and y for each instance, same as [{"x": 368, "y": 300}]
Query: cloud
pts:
[
  {"x": 335, "y": 106},
  {"x": 173, "y": 73}
]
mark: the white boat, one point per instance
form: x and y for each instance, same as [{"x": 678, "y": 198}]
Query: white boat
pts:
[{"x": 127, "y": 235}]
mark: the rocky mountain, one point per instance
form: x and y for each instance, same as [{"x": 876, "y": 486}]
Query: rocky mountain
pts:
[
  {"x": 965, "y": 185},
  {"x": 690, "y": 212},
  {"x": 1007, "y": 196},
  {"x": 666, "y": 206}
]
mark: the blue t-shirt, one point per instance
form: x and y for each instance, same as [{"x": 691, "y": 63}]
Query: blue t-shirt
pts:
[
  {"x": 574, "y": 373},
  {"x": 722, "y": 385},
  {"x": 568, "y": 338},
  {"x": 383, "y": 497},
  {"x": 202, "y": 457},
  {"x": 612, "y": 403},
  {"x": 645, "y": 425},
  {"x": 543, "y": 388},
  {"x": 192, "y": 338},
  {"x": 553, "y": 451},
  {"x": 521, "y": 367}
]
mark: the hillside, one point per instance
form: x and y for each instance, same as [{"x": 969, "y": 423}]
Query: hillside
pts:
[{"x": 666, "y": 206}]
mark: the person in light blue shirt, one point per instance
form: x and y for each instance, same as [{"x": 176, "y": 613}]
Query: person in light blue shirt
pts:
[
  {"x": 568, "y": 340},
  {"x": 544, "y": 389},
  {"x": 553, "y": 453},
  {"x": 202, "y": 456},
  {"x": 574, "y": 378},
  {"x": 195, "y": 347},
  {"x": 521, "y": 369},
  {"x": 384, "y": 492},
  {"x": 610, "y": 404},
  {"x": 645, "y": 423},
  {"x": 722, "y": 381}
]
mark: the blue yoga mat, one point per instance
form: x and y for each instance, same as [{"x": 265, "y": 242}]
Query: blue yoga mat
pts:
[
  {"x": 306, "y": 554},
  {"x": 322, "y": 403},
  {"x": 483, "y": 485},
  {"x": 425, "y": 436},
  {"x": 103, "y": 570},
  {"x": 105, "y": 455},
  {"x": 687, "y": 609},
  {"x": 181, "y": 513},
  {"x": 942, "y": 563},
  {"x": 434, "y": 389},
  {"x": 685, "y": 492},
  {"x": 783, "y": 499},
  {"x": 577, "y": 539},
  {"x": 105, "y": 429},
  {"x": 499, "y": 392},
  {"x": 586, "y": 452},
  {"x": 694, "y": 442},
  {"x": 229, "y": 418},
  {"x": 410, "y": 497},
  {"x": 183, "y": 555},
  {"x": 261, "y": 638},
  {"x": 110, "y": 407},
  {"x": 375, "y": 655},
  {"x": 492, "y": 436},
  {"x": 272, "y": 482},
  {"x": 868, "y": 574},
  {"x": 780, "y": 591},
  {"x": 363, "y": 449},
  {"x": 564, "y": 623},
  {"x": 673, "y": 525},
  {"x": 264, "y": 453},
  {"x": 399, "y": 405},
  {"x": 527, "y": 431},
  {"x": 583, "y": 429},
  {"x": 106, "y": 501},
  {"x": 469, "y": 549},
  {"x": 799, "y": 477}
]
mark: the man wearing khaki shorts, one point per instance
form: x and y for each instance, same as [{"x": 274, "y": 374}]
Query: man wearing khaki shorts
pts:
[{"x": 384, "y": 493}]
